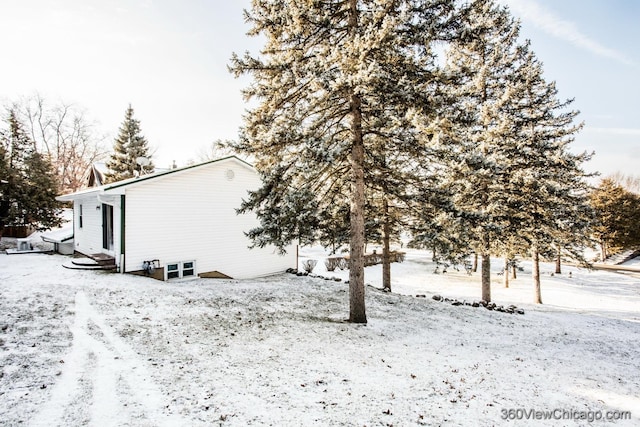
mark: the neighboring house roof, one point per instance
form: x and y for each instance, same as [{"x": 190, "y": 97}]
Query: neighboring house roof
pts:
[
  {"x": 60, "y": 235},
  {"x": 144, "y": 178},
  {"x": 97, "y": 174}
]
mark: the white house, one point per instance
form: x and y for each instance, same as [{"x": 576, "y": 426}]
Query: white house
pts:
[{"x": 176, "y": 223}]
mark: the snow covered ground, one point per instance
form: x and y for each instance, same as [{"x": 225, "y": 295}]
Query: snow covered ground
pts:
[{"x": 104, "y": 349}]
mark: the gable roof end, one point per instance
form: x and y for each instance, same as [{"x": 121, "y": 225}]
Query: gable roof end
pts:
[{"x": 144, "y": 178}]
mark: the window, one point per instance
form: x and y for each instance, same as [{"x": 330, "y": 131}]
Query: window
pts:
[
  {"x": 178, "y": 270},
  {"x": 188, "y": 268},
  {"x": 80, "y": 217},
  {"x": 173, "y": 271}
]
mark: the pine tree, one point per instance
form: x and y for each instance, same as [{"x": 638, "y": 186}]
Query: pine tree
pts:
[
  {"x": 128, "y": 147},
  {"x": 5, "y": 171},
  {"x": 480, "y": 62},
  {"x": 40, "y": 204},
  {"x": 515, "y": 184},
  {"x": 17, "y": 147},
  {"x": 334, "y": 78},
  {"x": 543, "y": 175},
  {"x": 31, "y": 180}
]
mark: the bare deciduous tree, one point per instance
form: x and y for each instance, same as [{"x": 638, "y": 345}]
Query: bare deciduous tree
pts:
[
  {"x": 215, "y": 150},
  {"x": 65, "y": 134},
  {"x": 628, "y": 182}
]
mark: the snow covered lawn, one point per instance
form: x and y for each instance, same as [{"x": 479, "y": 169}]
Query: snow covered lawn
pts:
[{"x": 91, "y": 348}]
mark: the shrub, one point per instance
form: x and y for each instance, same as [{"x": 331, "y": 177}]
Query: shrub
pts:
[
  {"x": 309, "y": 264},
  {"x": 331, "y": 263},
  {"x": 336, "y": 262}
]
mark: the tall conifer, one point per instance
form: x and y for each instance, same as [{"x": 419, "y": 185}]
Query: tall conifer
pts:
[
  {"x": 480, "y": 60},
  {"x": 334, "y": 77},
  {"x": 129, "y": 146},
  {"x": 31, "y": 180},
  {"x": 545, "y": 188}
]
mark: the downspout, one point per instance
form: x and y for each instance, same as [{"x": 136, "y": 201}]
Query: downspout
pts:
[{"x": 122, "y": 233}]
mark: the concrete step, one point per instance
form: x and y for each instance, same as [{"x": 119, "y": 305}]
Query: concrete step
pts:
[
  {"x": 103, "y": 259},
  {"x": 84, "y": 264}
]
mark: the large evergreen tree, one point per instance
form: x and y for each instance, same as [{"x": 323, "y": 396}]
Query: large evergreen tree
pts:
[
  {"x": 545, "y": 191},
  {"x": 334, "y": 79},
  {"x": 17, "y": 148},
  {"x": 480, "y": 61},
  {"x": 32, "y": 184},
  {"x": 129, "y": 146},
  {"x": 40, "y": 204},
  {"x": 514, "y": 182}
]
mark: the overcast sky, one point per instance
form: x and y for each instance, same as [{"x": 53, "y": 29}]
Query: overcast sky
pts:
[{"x": 169, "y": 58}]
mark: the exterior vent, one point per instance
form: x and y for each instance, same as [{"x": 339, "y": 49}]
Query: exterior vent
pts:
[{"x": 229, "y": 174}]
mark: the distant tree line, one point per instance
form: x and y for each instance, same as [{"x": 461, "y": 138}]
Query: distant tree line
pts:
[{"x": 616, "y": 203}]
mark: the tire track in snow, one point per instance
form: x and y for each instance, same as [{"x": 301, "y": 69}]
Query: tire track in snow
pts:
[{"x": 119, "y": 382}]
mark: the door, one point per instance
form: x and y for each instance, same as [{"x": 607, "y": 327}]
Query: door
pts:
[{"x": 107, "y": 227}]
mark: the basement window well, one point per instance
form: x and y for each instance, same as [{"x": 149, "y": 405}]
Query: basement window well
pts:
[{"x": 179, "y": 270}]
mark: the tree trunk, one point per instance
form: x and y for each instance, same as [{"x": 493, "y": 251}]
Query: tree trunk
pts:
[
  {"x": 514, "y": 271},
  {"x": 558, "y": 263},
  {"x": 475, "y": 262},
  {"x": 357, "y": 313},
  {"x": 386, "y": 259},
  {"x": 603, "y": 250},
  {"x": 506, "y": 272},
  {"x": 537, "y": 298},
  {"x": 486, "y": 269},
  {"x": 486, "y": 277}
]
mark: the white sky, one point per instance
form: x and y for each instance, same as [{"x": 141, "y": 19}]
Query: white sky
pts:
[{"x": 169, "y": 58}]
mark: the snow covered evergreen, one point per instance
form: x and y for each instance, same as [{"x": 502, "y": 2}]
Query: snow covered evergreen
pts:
[
  {"x": 514, "y": 184},
  {"x": 128, "y": 146},
  {"x": 337, "y": 82},
  {"x": 481, "y": 61},
  {"x": 545, "y": 189}
]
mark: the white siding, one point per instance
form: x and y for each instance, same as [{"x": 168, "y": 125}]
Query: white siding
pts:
[
  {"x": 88, "y": 238},
  {"x": 190, "y": 216}
]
